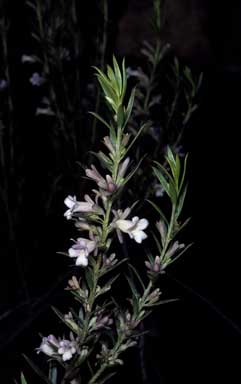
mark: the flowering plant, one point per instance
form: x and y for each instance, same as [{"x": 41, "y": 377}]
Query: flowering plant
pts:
[{"x": 100, "y": 327}]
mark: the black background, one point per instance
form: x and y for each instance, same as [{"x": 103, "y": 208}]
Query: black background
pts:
[{"x": 197, "y": 339}]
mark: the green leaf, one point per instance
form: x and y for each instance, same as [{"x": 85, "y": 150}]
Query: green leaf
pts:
[
  {"x": 163, "y": 170},
  {"x": 170, "y": 158},
  {"x": 172, "y": 192},
  {"x": 111, "y": 75},
  {"x": 107, "y": 378},
  {"x": 161, "y": 180},
  {"x": 184, "y": 172},
  {"x": 181, "y": 253},
  {"x": 23, "y": 380},
  {"x": 158, "y": 210},
  {"x": 129, "y": 176},
  {"x": 132, "y": 287},
  {"x": 157, "y": 242},
  {"x": 145, "y": 125},
  {"x": 37, "y": 370},
  {"x": 137, "y": 275},
  {"x": 124, "y": 79},
  {"x": 181, "y": 202},
  {"x": 89, "y": 278},
  {"x": 61, "y": 317},
  {"x": 108, "y": 284},
  {"x": 53, "y": 373},
  {"x": 109, "y": 92},
  {"x": 118, "y": 77},
  {"x": 177, "y": 172},
  {"x": 113, "y": 267},
  {"x": 180, "y": 228},
  {"x": 105, "y": 160},
  {"x": 130, "y": 106},
  {"x": 100, "y": 119}
]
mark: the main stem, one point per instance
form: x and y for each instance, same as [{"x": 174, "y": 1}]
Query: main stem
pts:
[{"x": 169, "y": 232}]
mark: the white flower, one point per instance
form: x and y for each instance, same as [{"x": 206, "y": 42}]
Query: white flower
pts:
[
  {"x": 49, "y": 345},
  {"x": 81, "y": 250},
  {"x": 134, "y": 228},
  {"x": 70, "y": 202},
  {"x": 75, "y": 206},
  {"x": 67, "y": 349}
]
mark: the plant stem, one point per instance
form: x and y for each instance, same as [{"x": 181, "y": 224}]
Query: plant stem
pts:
[
  {"x": 169, "y": 232},
  {"x": 97, "y": 374}
]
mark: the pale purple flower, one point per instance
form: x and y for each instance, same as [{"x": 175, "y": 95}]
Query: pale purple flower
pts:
[
  {"x": 36, "y": 79},
  {"x": 109, "y": 144},
  {"x": 134, "y": 228},
  {"x": 155, "y": 266},
  {"x": 49, "y": 346},
  {"x": 87, "y": 206},
  {"x": 66, "y": 349},
  {"x": 106, "y": 184},
  {"x": 3, "y": 84},
  {"x": 122, "y": 169},
  {"x": 81, "y": 250}
]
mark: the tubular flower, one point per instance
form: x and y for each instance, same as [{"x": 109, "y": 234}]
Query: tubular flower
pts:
[
  {"x": 81, "y": 250},
  {"x": 49, "y": 346},
  {"x": 106, "y": 184},
  {"x": 134, "y": 228},
  {"x": 87, "y": 206}
]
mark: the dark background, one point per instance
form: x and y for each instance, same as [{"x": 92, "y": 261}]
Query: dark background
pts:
[{"x": 198, "y": 338}]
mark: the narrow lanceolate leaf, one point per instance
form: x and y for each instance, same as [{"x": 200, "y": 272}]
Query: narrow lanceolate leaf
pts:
[
  {"x": 170, "y": 159},
  {"x": 128, "y": 177},
  {"x": 106, "y": 378},
  {"x": 130, "y": 106},
  {"x": 181, "y": 202},
  {"x": 161, "y": 180},
  {"x": 107, "y": 285},
  {"x": 23, "y": 380},
  {"x": 181, "y": 227},
  {"x": 146, "y": 125},
  {"x": 177, "y": 172},
  {"x": 162, "y": 169},
  {"x": 89, "y": 278},
  {"x": 73, "y": 328},
  {"x": 180, "y": 254},
  {"x": 158, "y": 210},
  {"x": 124, "y": 80},
  {"x": 53, "y": 373},
  {"x": 132, "y": 287},
  {"x": 113, "y": 267},
  {"x": 108, "y": 91},
  {"x": 111, "y": 75},
  {"x": 183, "y": 173},
  {"x": 37, "y": 370},
  {"x": 157, "y": 243},
  {"x": 100, "y": 119},
  {"x": 172, "y": 192},
  {"x": 137, "y": 275},
  {"x": 105, "y": 160},
  {"x": 117, "y": 76}
]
